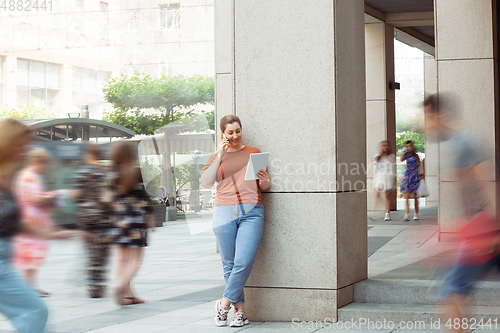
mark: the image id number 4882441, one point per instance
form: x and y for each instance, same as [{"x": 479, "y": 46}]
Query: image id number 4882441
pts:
[{"x": 25, "y": 5}]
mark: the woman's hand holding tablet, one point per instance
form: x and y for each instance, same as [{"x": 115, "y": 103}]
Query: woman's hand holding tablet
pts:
[{"x": 257, "y": 162}]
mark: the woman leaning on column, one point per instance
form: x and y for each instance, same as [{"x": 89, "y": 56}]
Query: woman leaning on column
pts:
[{"x": 238, "y": 218}]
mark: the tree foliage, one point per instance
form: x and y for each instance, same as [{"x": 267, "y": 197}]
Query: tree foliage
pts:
[
  {"x": 418, "y": 139},
  {"x": 26, "y": 112},
  {"x": 169, "y": 96}
]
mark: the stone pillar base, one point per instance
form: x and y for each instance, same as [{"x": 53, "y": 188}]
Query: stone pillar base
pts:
[{"x": 287, "y": 304}]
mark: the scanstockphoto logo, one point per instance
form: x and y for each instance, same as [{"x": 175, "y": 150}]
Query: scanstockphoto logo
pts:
[
  {"x": 327, "y": 176},
  {"x": 171, "y": 162}
]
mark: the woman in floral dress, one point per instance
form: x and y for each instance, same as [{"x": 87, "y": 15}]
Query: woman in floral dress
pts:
[
  {"x": 132, "y": 216},
  {"x": 411, "y": 178}
]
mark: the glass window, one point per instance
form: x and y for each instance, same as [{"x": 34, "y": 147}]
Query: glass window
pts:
[
  {"x": 169, "y": 17},
  {"x": 52, "y": 19},
  {"x": 23, "y": 67},
  {"x": 77, "y": 79},
  {"x": 23, "y": 95},
  {"x": 37, "y": 96},
  {"x": 37, "y": 74},
  {"x": 134, "y": 24},
  {"x": 52, "y": 99},
  {"x": 103, "y": 19},
  {"x": 38, "y": 83},
  {"x": 89, "y": 82},
  {"x": 79, "y": 16},
  {"x": 53, "y": 76},
  {"x": 87, "y": 89}
]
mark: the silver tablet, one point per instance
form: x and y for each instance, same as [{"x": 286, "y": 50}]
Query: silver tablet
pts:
[{"x": 256, "y": 162}]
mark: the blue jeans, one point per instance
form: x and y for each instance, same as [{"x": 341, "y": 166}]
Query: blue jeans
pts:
[
  {"x": 238, "y": 229},
  {"x": 463, "y": 276},
  {"x": 18, "y": 302}
]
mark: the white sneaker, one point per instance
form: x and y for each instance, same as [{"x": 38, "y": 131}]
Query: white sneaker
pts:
[
  {"x": 415, "y": 217},
  {"x": 239, "y": 319},
  {"x": 387, "y": 217},
  {"x": 221, "y": 316},
  {"x": 406, "y": 218}
]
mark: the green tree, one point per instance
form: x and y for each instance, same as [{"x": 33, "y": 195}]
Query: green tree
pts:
[
  {"x": 418, "y": 139},
  {"x": 26, "y": 112},
  {"x": 170, "y": 96}
]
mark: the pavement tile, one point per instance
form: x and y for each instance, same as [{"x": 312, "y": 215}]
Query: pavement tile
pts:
[
  {"x": 181, "y": 277},
  {"x": 130, "y": 328}
]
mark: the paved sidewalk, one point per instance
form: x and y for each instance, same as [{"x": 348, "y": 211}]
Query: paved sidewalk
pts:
[{"x": 182, "y": 277}]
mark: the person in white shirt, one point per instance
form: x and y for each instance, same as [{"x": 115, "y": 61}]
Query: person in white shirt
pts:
[{"x": 384, "y": 175}]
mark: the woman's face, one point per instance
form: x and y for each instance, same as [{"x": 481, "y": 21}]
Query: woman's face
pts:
[
  {"x": 233, "y": 134},
  {"x": 410, "y": 148},
  {"x": 384, "y": 147},
  {"x": 41, "y": 166}
]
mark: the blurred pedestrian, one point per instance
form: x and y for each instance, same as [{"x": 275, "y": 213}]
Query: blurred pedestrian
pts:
[
  {"x": 238, "y": 218},
  {"x": 94, "y": 216},
  {"x": 133, "y": 215},
  {"x": 35, "y": 205},
  {"x": 462, "y": 155},
  {"x": 384, "y": 175},
  {"x": 18, "y": 302},
  {"x": 411, "y": 178}
]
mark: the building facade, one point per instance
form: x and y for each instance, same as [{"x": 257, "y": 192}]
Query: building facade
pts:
[{"x": 60, "y": 56}]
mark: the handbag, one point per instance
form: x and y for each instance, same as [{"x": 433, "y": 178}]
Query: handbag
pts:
[
  {"x": 422, "y": 191},
  {"x": 481, "y": 237}
]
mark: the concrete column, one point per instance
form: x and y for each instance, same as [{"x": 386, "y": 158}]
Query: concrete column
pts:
[
  {"x": 467, "y": 66},
  {"x": 431, "y": 142},
  {"x": 10, "y": 87},
  {"x": 380, "y": 100},
  {"x": 224, "y": 64},
  {"x": 300, "y": 93}
]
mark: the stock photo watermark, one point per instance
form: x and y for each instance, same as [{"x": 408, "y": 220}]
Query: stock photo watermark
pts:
[{"x": 366, "y": 323}]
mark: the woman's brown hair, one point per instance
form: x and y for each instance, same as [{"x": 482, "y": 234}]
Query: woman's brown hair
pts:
[
  {"x": 124, "y": 163},
  {"x": 227, "y": 120},
  {"x": 11, "y": 131}
]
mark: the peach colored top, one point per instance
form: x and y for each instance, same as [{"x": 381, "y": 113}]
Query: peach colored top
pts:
[{"x": 232, "y": 188}]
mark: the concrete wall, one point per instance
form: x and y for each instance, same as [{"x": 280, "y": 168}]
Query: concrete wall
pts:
[
  {"x": 467, "y": 66},
  {"x": 300, "y": 93},
  {"x": 380, "y": 100},
  {"x": 431, "y": 141}
]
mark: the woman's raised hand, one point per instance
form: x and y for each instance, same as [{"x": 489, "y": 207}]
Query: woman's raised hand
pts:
[{"x": 224, "y": 145}]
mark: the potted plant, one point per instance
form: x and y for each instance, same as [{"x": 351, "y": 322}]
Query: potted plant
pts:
[{"x": 160, "y": 210}]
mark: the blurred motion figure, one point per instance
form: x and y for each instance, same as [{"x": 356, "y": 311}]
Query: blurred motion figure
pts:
[
  {"x": 133, "y": 214},
  {"x": 93, "y": 214},
  {"x": 461, "y": 151},
  {"x": 384, "y": 176},
  {"x": 35, "y": 204},
  {"x": 18, "y": 302}
]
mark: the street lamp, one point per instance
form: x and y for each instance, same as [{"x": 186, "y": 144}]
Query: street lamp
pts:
[{"x": 74, "y": 113}]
